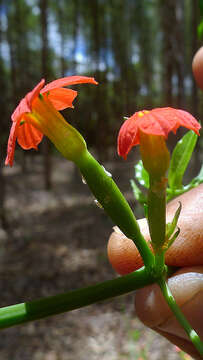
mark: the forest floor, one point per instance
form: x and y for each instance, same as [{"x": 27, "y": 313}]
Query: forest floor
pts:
[{"x": 57, "y": 242}]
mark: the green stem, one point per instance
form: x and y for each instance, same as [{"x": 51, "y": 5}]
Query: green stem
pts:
[
  {"x": 193, "y": 336},
  {"x": 157, "y": 212},
  {"x": 109, "y": 196},
  {"x": 52, "y": 305},
  {"x": 159, "y": 262}
]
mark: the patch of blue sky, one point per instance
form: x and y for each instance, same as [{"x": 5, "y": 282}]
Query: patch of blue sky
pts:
[
  {"x": 4, "y": 6},
  {"x": 3, "y": 14},
  {"x": 71, "y": 49},
  {"x": 4, "y": 44},
  {"x": 5, "y": 52}
]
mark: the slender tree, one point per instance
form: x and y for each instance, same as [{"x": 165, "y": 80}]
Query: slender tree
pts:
[
  {"x": 45, "y": 70},
  {"x": 194, "y": 9},
  {"x": 167, "y": 49},
  {"x": 3, "y": 124}
]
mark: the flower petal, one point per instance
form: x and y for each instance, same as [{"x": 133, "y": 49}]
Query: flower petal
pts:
[
  {"x": 128, "y": 137},
  {"x": 151, "y": 125},
  {"x": 28, "y": 136},
  {"x": 171, "y": 119},
  {"x": 62, "y": 98},
  {"x": 159, "y": 121},
  {"x": 69, "y": 80},
  {"x": 25, "y": 105},
  {"x": 34, "y": 93},
  {"x": 188, "y": 121},
  {"x": 11, "y": 144},
  {"x": 20, "y": 110}
]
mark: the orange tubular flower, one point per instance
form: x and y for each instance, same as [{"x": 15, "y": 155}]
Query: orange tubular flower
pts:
[
  {"x": 37, "y": 115},
  {"x": 158, "y": 122},
  {"x": 150, "y": 129}
]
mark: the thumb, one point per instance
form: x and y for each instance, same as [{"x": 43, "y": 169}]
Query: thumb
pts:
[
  {"x": 187, "y": 287},
  {"x": 187, "y": 250}
]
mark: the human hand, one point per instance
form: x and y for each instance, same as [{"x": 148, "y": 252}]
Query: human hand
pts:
[
  {"x": 186, "y": 284},
  {"x": 186, "y": 253}
]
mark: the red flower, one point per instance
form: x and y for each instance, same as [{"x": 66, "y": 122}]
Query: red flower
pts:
[
  {"x": 158, "y": 121},
  {"x": 28, "y": 117}
]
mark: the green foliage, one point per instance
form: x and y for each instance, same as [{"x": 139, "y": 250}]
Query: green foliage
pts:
[
  {"x": 199, "y": 178},
  {"x": 170, "y": 228},
  {"x": 200, "y": 30},
  {"x": 139, "y": 196},
  {"x": 172, "y": 225},
  {"x": 200, "y": 26},
  {"x": 141, "y": 174},
  {"x": 201, "y": 6},
  {"x": 142, "y": 177},
  {"x": 135, "y": 335},
  {"x": 180, "y": 158}
]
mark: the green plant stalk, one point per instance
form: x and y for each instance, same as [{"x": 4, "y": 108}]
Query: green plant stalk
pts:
[
  {"x": 157, "y": 226},
  {"x": 157, "y": 212},
  {"x": 113, "y": 202},
  {"x": 171, "y": 193},
  {"x": 157, "y": 219},
  {"x": 52, "y": 305},
  {"x": 193, "y": 336}
]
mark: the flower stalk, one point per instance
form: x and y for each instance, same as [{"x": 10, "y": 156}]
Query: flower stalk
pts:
[
  {"x": 155, "y": 157},
  {"x": 114, "y": 203},
  {"x": 51, "y": 123},
  {"x": 193, "y": 336},
  {"x": 53, "y": 305}
]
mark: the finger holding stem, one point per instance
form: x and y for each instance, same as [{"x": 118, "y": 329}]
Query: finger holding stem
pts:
[
  {"x": 150, "y": 129},
  {"x": 193, "y": 336}
]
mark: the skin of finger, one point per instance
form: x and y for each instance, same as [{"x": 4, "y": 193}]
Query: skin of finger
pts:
[
  {"x": 187, "y": 250},
  {"x": 185, "y": 285},
  {"x": 181, "y": 343},
  {"x": 187, "y": 288},
  {"x": 197, "y": 67},
  {"x": 124, "y": 258}
]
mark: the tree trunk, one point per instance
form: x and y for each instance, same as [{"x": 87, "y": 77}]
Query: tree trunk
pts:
[
  {"x": 3, "y": 132},
  {"x": 179, "y": 52},
  {"x": 194, "y": 24},
  {"x": 167, "y": 18},
  {"x": 46, "y": 146}
]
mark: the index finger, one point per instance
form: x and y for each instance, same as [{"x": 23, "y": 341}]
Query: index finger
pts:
[{"x": 187, "y": 250}]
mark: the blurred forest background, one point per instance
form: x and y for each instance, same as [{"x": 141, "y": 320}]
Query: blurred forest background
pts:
[
  {"x": 53, "y": 238},
  {"x": 140, "y": 52}
]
